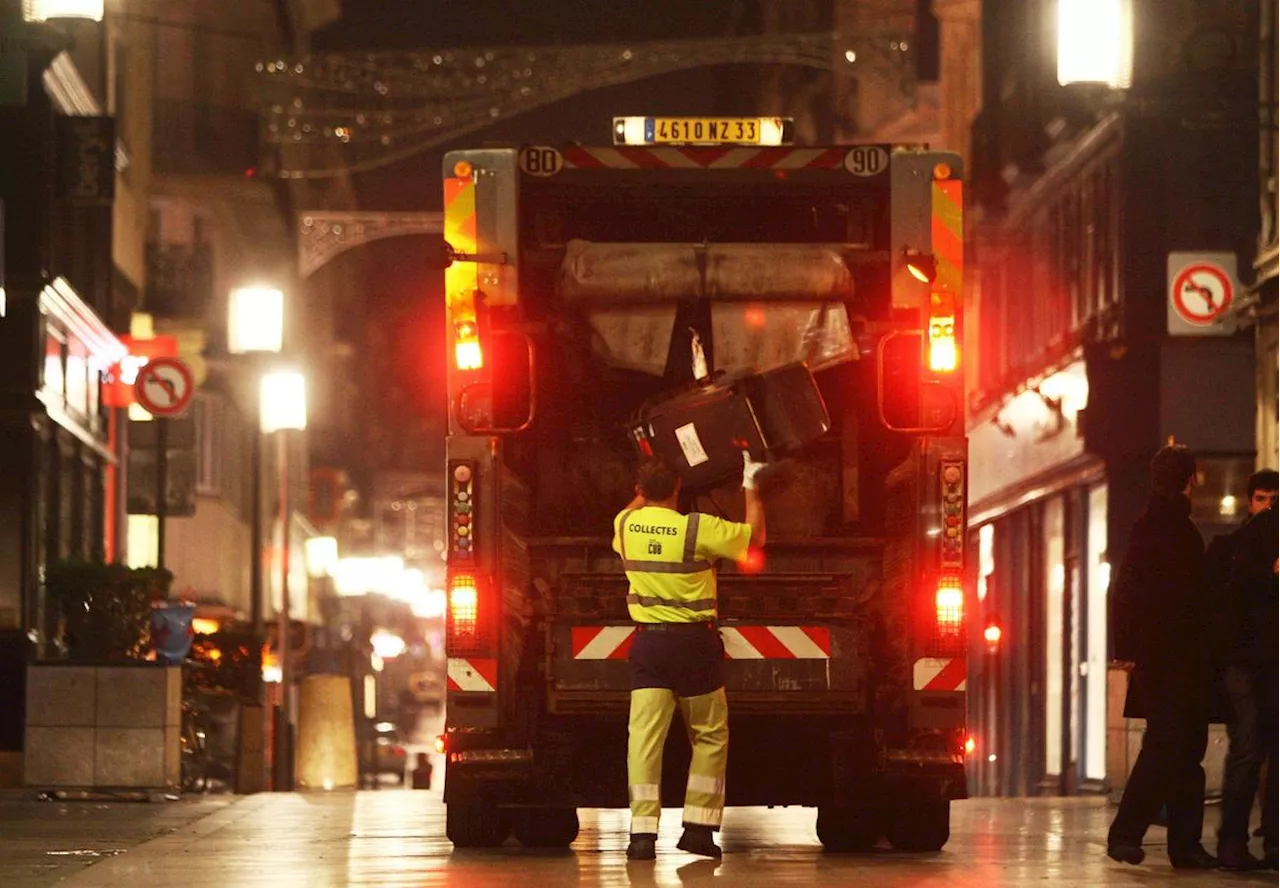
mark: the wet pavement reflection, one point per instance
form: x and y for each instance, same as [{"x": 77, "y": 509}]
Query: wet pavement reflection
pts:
[{"x": 396, "y": 838}]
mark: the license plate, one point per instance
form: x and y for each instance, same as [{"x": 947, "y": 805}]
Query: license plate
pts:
[
  {"x": 699, "y": 130},
  {"x": 667, "y": 130}
]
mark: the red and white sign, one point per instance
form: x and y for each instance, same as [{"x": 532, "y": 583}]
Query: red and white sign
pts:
[
  {"x": 1201, "y": 293},
  {"x": 118, "y": 388},
  {"x": 940, "y": 674},
  {"x": 740, "y": 642},
  {"x": 164, "y": 387},
  {"x": 473, "y": 674}
]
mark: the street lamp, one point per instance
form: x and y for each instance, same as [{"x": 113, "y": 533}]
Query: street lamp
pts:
[
  {"x": 283, "y": 408},
  {"x": 255, "y": 320},
  {"x": 255, "y": 325},
  {"x": 44, "y": 10},
  {"x": 1095, "y": 42}
]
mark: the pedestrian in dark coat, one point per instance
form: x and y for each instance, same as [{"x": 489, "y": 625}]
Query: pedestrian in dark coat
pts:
[
  {"x": 1244, "y": 589},
  {"x": 1162, "y": 614},
  {"x": 1254, "y": 578}
]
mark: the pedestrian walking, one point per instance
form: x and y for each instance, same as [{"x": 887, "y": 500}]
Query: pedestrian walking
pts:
[
  {"x": 1161, "y": 611},
  {"x": 677, "y": 658}
]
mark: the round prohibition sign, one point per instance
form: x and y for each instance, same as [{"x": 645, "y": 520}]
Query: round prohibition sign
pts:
[
  {"x": 1201, "y": 294},
  {"x": 164, "y": 387}
]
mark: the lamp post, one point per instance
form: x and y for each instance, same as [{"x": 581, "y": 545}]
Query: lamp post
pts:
[
  {"x": 283, "y": 407},
  {"x": 255, "y": 325}
]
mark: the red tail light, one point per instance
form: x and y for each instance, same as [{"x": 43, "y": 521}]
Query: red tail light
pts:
[
  {"x": 467, "y": 353},
  {"x": 944, "y": 349},
  {"x": 464, "y": 610},
  {"x": 949, "y": 608},
  {"x": 970, "y": 745}
]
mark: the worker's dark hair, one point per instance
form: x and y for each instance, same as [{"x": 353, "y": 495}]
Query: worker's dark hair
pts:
[
  {"x": 1171, "y": 468},
  {"x": 1263, "y": 479},
  {"x": 656, "y": 479}
]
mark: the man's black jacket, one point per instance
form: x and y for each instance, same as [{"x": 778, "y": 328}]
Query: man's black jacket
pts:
[
  {"x": 1253, "y": 586},
  {"x": 1161, "y": 612},
  {"x": 1225, "y": 604}
]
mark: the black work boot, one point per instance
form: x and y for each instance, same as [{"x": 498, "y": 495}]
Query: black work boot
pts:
[
  {"x": 698, "y": 840},
  {"x": 1126, "y": 852},
  {"x": 1234, "y": 855},
  {"x": 642, "y": 847},
  {"x": 1193, "y": 857}
]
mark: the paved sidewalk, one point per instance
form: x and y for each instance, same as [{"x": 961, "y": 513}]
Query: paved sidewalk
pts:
[{"x": 45, "y": 843}]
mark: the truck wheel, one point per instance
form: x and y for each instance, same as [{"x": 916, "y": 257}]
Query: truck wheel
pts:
[
  {"x": 475, "y": 826},
  {"x": 846, "y": 829},
  {"x": 546, "y": 827},
  {"x": 922, "y": 826}
]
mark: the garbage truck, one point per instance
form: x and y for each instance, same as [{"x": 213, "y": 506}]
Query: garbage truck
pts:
[{"x": 601, "y": 299}]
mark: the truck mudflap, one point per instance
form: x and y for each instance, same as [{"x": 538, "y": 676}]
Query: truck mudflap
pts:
[{"x": 776, "y": 664}]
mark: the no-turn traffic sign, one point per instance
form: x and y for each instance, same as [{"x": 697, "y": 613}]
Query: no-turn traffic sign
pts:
[
  {"x": 1201, "y": 291},
  {"x": 164, "y": 387}
]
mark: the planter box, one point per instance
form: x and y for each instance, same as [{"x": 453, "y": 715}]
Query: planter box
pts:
[{"x": 103, "y": 727}]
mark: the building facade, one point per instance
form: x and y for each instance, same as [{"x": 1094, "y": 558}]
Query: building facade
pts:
[
  {"x": 1260, "y": 306},
  {"x": 1081, "y": 195}
]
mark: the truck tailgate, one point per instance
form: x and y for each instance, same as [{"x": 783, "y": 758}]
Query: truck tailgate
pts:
[{"x": 791, "y": 641}]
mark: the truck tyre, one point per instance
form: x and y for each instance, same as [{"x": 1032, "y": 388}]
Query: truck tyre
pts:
[
  {"x": 921, "y": 826},
  {"x": 546, "y": 827},
  {"x": 476, "y": 826},
  {"x": 848, "y": 829}
]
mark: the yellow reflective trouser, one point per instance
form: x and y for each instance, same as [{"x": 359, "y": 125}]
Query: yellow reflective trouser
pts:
[{"x": 707, "y": 719}]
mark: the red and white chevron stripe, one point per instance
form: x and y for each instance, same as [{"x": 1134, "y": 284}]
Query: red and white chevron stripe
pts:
[
  {"x": 940, "y": 674},
  {"x": 473, "y": 674},
  {"x": 740, "y": 642},
  {"x": 626, "y": 157}
]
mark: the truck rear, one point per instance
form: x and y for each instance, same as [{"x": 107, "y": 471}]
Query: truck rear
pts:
[{"x": 589, "y": 291}]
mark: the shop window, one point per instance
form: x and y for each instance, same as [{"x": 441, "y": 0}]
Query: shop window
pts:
[
  {"x": 143, "y": 541},
  {"x": 1219, "y": 499},
  {"x": 1095, "y": 665},
  {"x": 1055, "y": 587}
]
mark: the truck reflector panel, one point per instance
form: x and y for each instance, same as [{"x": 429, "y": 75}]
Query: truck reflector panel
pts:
[
  {"x": 939, "y": 674},
  {"x": 473, "y": 674},
  {"x": 740, "y": 642}
]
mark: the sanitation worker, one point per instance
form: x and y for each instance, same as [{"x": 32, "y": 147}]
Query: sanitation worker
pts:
[{"x": 677, "y": 658}]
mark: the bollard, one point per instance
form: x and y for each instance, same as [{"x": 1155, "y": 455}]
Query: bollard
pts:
[
  {"x": 326, "y": 740},
  {"x": 422, "y": 773}
]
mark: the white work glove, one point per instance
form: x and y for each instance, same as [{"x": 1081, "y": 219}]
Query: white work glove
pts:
[{"x": 750, "y": 468}]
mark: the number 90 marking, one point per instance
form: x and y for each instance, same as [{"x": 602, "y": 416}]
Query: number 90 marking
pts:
[{"x": 866, "y": 160}]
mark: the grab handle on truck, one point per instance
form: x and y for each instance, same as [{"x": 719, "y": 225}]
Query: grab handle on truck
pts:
[
  {"x": 940, "y": 398},
  {"x": 479, "y": 388}
]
